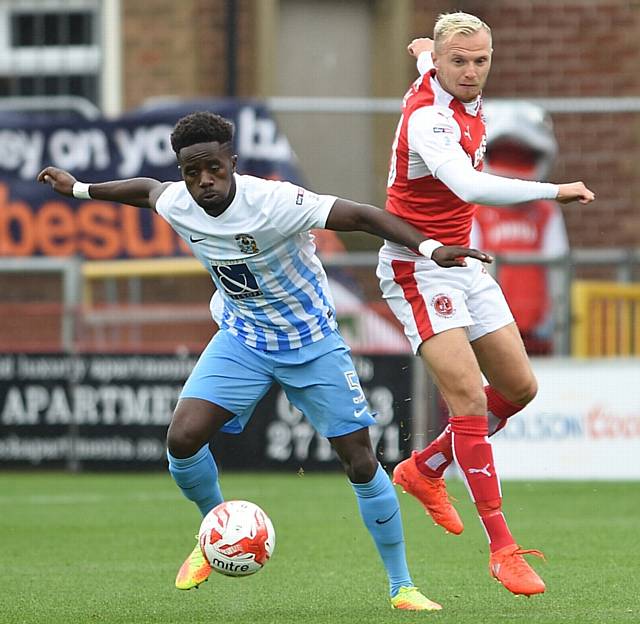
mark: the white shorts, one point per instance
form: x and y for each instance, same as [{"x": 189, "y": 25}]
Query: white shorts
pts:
[{"x": 428, "y": 299}]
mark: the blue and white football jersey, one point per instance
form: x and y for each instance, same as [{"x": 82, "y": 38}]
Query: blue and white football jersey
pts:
[{"x": 261, "y": 257}]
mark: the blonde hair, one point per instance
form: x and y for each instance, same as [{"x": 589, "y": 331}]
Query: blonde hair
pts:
[{"x": 451, "y": 24}]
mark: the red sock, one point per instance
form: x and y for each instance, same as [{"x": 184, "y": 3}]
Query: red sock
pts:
[
  {"x": 495, "y": 526},
  {"x": 437, "y": 457},
  {"x": 433, "y": 460},
  {"x": 499, "y": 409},
  {"x": 474, "y": 457}
]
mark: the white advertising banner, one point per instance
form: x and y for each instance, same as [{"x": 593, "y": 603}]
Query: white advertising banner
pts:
[{"x": 584, "y": 423}]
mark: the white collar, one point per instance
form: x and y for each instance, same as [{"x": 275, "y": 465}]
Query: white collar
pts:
[{"x": 472, "y": 108}]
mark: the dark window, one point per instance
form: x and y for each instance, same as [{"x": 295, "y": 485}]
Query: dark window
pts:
[
  {"x": 31, "y": 33},
  {"x": 5, "y": 86},
  {"x": 85, "y": 85},
  {"x": 51, "y": 29}
]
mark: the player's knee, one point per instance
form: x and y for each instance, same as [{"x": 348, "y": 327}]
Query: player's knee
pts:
[
  {"x": 531, "y": 390},
  {"x": 183, "y": 441},
  {"x": 467, "y": 400},
  {"x": 361, "y": 466},
  {"x": 524, "y": 392}
]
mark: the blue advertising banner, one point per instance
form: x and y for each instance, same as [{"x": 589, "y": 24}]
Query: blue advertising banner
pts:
[{"x": 35, "y": 221}]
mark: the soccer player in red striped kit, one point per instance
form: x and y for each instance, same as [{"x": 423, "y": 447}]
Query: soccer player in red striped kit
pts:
[{"x": 457, "y": 319}]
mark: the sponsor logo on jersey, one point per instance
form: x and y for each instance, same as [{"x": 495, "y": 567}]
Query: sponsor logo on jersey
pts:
[
  {"x": 439, "y": 129},
  {"x": 479, "y": 153},
  {"x": 443, "y": 305},
  {"x": 247, "y": 243},
  {"x": 238, "y": 281}
]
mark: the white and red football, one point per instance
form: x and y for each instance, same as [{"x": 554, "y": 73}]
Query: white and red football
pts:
[{"x": 237, "y": 538}]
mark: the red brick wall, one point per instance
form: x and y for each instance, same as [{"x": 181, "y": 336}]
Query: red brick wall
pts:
[
  {"x": 571, "y": 48},
  {"x": 543, "y": 48},
  {"x": 179, "y": 48}
]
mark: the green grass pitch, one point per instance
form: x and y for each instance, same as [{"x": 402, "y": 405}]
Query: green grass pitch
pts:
[{"x": 105, "y": 549}]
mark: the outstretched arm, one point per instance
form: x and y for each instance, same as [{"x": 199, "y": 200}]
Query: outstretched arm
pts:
[
  {"x": 478, "y": 187},
  {"x": 443, "y": 155},
  {"x": 348, "y": 216},
  {"x": 140, "y": 192}
]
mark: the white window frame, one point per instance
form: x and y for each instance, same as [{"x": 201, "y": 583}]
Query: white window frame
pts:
[{"x": 102, "y": 58}]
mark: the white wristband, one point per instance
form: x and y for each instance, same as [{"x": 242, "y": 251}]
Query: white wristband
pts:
[
  {"x": 81, "y": 190},
  {"x": 427, "y": 247}
]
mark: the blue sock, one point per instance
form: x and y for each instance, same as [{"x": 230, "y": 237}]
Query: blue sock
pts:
[
  {"x": 197, "y": 477},
  {"x": 380, "y": 511}
]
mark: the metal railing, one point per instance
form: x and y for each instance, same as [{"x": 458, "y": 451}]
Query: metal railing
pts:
[
  {"x": 303, "y": 104},
  {"x": 58, "y": 103},
  {"x": 70, "y": 271},
  {"x": 623, "y": 264},
  {"x": 79, "y": 278}
]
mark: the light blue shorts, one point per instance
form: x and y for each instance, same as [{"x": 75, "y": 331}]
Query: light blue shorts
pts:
[{"x": 319, "y": 379}]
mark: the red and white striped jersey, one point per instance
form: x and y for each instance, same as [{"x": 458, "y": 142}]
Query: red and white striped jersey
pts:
[{"x": 435, "y": 128}]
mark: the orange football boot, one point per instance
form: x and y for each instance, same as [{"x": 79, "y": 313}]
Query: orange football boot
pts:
[
  {"x": 508, "y": 566},
  {"x": 194, "y": 571},
  {"x": 432, "y": 493}
]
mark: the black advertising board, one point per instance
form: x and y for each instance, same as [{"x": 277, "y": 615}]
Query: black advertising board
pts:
[
  {"x": 87, "y": 411},
  {"x": 111, "y": 412}
]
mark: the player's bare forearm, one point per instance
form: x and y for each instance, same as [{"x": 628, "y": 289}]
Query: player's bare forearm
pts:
[
  {"x": 140, "y": 192},
  {"x": 134, "y": 191},
  {"x": 348, "y": 216}
]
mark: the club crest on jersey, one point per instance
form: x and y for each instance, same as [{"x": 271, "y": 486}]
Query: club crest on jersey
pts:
[
  {"x": 247, "y": 243},
  {"x": 443, "y": 306},
  {"x": 300, "y": 196}
]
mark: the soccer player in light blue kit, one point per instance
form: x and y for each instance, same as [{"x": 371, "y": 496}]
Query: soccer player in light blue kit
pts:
[{"x": 278, "y": 323}]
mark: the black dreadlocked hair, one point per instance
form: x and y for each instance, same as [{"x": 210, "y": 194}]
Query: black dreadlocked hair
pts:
[{"x": 202, "y": 127}]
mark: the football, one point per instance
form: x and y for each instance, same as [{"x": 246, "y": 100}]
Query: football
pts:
[{"x": 237, "y": 538}]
